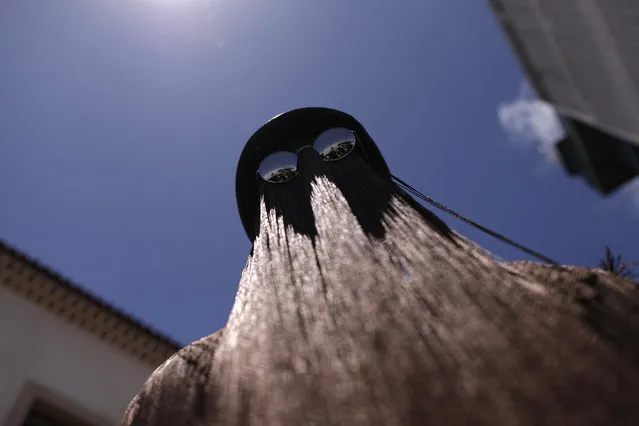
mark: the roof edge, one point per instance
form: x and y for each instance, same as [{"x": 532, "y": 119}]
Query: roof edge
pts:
[{"x": 85, "y": 294}]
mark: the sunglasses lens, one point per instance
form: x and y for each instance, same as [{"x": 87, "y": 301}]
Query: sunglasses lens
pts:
[
  {"x": 335, "y": 144},
  {"x": 279, "y": 167}
]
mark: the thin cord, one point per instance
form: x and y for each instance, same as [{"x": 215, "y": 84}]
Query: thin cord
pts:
[{"x": 442, "y": 207}]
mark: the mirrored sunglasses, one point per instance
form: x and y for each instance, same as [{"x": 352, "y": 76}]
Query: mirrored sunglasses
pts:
[{"x": 332, "y": 145}]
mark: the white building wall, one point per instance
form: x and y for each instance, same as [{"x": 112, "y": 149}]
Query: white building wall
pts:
[{"x": 36, "y": 346}]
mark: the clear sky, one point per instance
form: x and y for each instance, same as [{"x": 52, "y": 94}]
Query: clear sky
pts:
[{"x": 121, "y": 123}]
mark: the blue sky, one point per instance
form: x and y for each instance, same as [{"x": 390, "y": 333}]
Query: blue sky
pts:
[{"x": 121, "y": 123}]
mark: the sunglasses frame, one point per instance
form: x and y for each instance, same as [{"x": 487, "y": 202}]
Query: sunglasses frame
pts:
[{"x": 358, "y": 144}]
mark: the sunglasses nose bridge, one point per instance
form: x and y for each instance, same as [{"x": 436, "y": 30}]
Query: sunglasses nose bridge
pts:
[{"x": 303, "y": 148}]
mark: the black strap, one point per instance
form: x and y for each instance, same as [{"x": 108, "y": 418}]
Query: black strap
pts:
[{"x": 442, "y": 207}]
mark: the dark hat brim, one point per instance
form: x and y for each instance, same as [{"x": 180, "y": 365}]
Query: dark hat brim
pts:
[{"x": 268, "y": 139}]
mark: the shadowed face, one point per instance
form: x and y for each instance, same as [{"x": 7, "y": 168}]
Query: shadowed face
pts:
[
  {"x": 290, "y": 132},
  {"x": 292, "y": 163}
]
